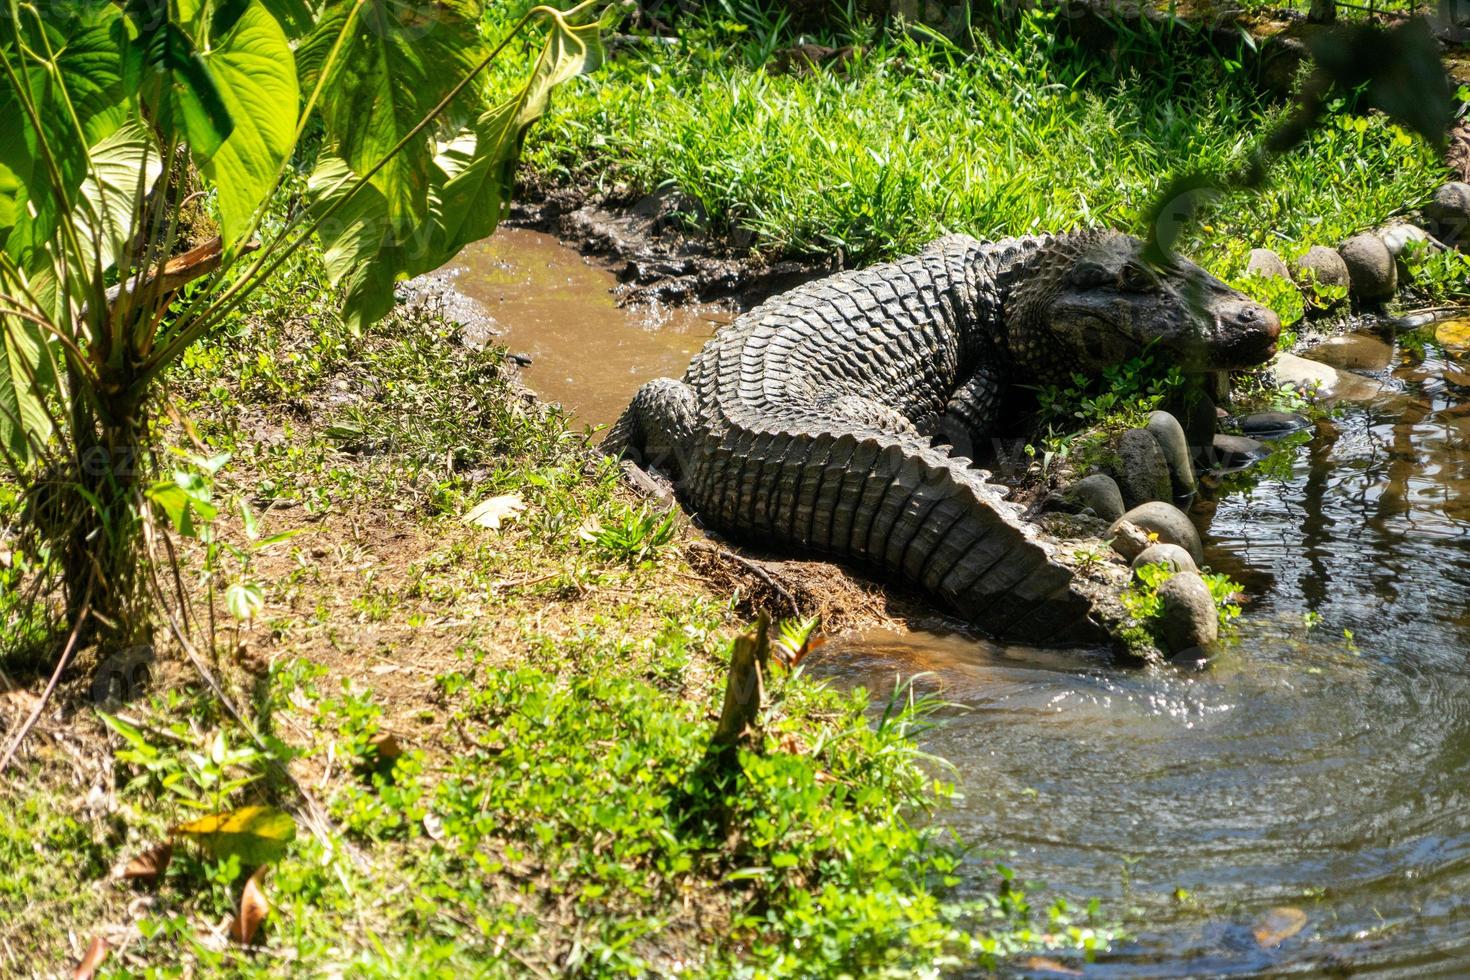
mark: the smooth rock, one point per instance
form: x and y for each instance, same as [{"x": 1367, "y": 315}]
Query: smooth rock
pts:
[
  {"x": 1354, "y": 352},
  {"x": 1233, "y": 452},
  {"x": 1098, "y": 493},
  {"x": 1448, "y": 213},
  {"x": 1316, "y": 379},
  {"x": 1170, "y": 435},
  {"x": 1197, "y": 413},
  {"x": 1129, "y": 540},
  {"x": 1168, "y": 523},
  {"x": 1143, "y": 470},
  {"x": 1171, "y": 555},
  {"x": 1273, "y": 425},
  {"x": 1267, "y": 264},
  {"x": 1188, "y": 619},
  {"x": 1370, "y": 266},
  {"x": 1400, "y": 236},
  {"x": 1325, "y": 265}
]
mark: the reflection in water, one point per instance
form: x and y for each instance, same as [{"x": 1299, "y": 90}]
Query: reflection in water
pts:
[
  {"x": 1305, "y": 770},
  {"x": 1302, "y": 771},
  {"x": 556, "y": 306}
]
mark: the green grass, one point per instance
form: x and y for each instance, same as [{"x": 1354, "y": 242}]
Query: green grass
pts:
[
  {"x": 1028, "y": 132},
  {"x": 553, "y": 688}
]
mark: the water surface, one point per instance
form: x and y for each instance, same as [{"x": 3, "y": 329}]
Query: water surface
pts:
[{"x": 1304, "y": 770}]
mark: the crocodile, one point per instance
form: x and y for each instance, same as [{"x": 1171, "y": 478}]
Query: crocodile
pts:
[{"x": 825, "y": 420}]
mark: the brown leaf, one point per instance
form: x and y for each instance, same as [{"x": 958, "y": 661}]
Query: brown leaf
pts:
[
  {"x": 1279, "y": 925},
  {"x": 792, "y": 743},
  {"x": 1045, "y": 964},
  {"x": 151, "y": 864},
  {"x": 92, "y": 959},
  {"x": 386, "y": 745},
  {"x": 253, "y": 909}
]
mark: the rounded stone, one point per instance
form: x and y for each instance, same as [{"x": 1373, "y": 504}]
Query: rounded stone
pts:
[
  {"x": 1448, "y": 213},
  {"x": 1187, "y": 619},
  {"x": 1129, "y": 540},
  {"x": 1400, "y": 236},
  {"x": 1175, "y": 557},
  {"x": 1098, "y": 493},
  {"x": 1233, "y": 452},
  {"x": 1370, "y": 267},
  {"x": 1143, "y": 470},
  {"x": 1267, "y": 264},
  {"x": 1325, "y": 265},
  {"x": 1354, "y": 352},
  {"x": 1167, "y": 523},
  {"x": 1170, "y": 435},
  {"x": 1273, "y": 425}
]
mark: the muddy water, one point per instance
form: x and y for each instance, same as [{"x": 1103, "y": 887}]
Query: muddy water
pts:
[
  {"x": 1306, "y": 770},
  {"x": 555, "y": 306}
]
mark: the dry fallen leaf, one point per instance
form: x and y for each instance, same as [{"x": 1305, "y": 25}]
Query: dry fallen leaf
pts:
[
  {"x": 489, "y": 513},
  {"x": 589, "y": 529},
  {"x": 1279, "y": 925},
  {"x": 151, "y": 864},
  {"x": 92, "y": 959},
  {"x": 386, "y": 745},
  {"x": 256, "y": 834},
  {"x": 253, "y": 909},
  {"x": 1045, "y": 964}
]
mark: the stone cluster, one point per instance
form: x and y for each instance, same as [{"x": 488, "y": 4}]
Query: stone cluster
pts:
[{"x": 1370, "y": 264}]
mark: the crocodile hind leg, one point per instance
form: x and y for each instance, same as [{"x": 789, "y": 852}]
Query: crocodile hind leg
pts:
[
  {"x": 657, "y": 428},
  {"x": 970, "y": 414}
]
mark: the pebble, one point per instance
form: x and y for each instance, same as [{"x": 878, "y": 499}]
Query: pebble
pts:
[
  {"x": 1267, "y": 264},
  {"x": 1129, "y": 540},
  {"x": 1172, "y": 555},
  {"x": 1354, "y": 352},
  {"x": 1398, "y": 236},
  {"x": 1166, "y": 429},
  {"x": 1143, "y": 470},
  {"x": 1234, "y": 452},
  {"x": 1188, "y": 620},
  {"x": 1170, "y": 524},
  {"x": 1098, "y": 493},
  {"x": 1448, "y": 213},
  {"x": 1273, "y": 425},
  {"x": 1325, "y": 264},
  {"x": 1370, "y": 266}
]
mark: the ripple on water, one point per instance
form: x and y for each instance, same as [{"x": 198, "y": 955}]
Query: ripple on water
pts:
[{"x": 1305, "y": 770}]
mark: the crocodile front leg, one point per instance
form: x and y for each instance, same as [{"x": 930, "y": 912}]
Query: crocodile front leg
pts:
[{"x": 970, "y": 413}]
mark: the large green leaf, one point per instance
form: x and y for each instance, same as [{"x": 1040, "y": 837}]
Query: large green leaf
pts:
[
  {"x": 464, "y": 186},
  {"x": 400, "y": 59},
  {"x": 124, "y": 167},
  {"x": 78, "y": 98},
  {"x": 164, "y": 64},
  {"x": 475, "y": 195},
  {"x": 256, "y": 75},
  {"x": 357, "y": 241},
  {"x": 26, "y": 375}
]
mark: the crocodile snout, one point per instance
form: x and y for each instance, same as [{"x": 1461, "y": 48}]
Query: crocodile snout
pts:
[{"x": 1246, "y": 334}]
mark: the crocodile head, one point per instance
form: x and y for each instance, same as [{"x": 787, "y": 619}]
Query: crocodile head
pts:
[{"x": 1090, "y": 300}]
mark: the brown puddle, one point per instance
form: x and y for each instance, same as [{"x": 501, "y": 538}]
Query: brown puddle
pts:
[{"x": 554, "y": 305}]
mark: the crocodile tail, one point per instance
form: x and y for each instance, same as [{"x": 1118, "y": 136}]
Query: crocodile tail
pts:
[{"x": 902, "y": 509}]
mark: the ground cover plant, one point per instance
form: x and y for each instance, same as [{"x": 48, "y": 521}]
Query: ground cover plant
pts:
[
  {"x": 505, "y": 731},
  {"x": 483, "y": 747},
  {"x": 1029, "y": 130}
]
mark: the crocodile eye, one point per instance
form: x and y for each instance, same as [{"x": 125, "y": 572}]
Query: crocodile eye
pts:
[
  {"x": 1136, "y": 279},
  {"x": 1089, "y": 275}
]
